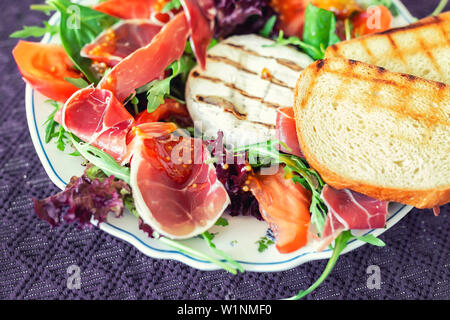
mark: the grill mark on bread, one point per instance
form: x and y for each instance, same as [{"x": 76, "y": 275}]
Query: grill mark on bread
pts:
[
  {"x": 397, "y": 52},
  {"x": 240, "y": 67},
  {"x": 402, "y": 109},
  {"x": 364, "y": 45},
  {"x": 429, "y": 54},
  {"x": 285, "y": 62},
  {"x": 229, "y": 107},
  {"x": 232, "y": 86}
]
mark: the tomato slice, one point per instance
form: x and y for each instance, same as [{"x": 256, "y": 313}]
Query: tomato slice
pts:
[
  {"x": 133, "y": 9},
  {"x": 292, "y": 15},
  {"x": 44, "y": 67},
  {"x": 168, "y": 109},
  {"x": 341, "y": 8},
  {"x": 148, "y": 63},
  {"x": 285, "y": 207},
  {"x": 374, "y": 19}
]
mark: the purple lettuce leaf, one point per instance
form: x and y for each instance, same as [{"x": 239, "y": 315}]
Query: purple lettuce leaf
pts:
[
  {"x": 85, "y": 197},
  {"x": 232, "y": 171},
  {"x": 241, "y": 16}
]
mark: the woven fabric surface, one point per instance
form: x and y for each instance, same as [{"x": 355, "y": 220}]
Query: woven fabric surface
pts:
[{"x": 34, "y": 258}]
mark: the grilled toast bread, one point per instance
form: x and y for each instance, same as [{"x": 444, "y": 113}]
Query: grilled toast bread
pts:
[
  {"x": 380, "y": 133},
  {"x": 421, "y": 49}
]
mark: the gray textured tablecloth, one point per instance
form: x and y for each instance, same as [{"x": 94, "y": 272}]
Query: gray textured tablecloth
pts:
[{"x": 34, "y": 258}]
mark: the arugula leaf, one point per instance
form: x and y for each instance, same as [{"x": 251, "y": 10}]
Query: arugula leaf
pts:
[
  {"x": 159, "y": 90},
  {"x": 174, "y": 4},
  {"x": 45, "y": 8},
  {"x": 319, "y": 30},
  {"x": 50, "y": 124},
  {"x": 267, "y": 153},
  {"x": 80, "y": 83},
  {"x": 293, "y": 40},
  {"x": 340, "y": 245},
  {"x": 35, "y": 31},
  {"x": 54, "y": 130},
  {"x": 101, "y": 159},
  {"x": 80, "y": 25},
  {"x": 264, "y": 243},
  {"x": 268, "y": 27},
  {"x": 371, "y": 239},
  {"x": 208, "y": 237},
  {"x": 221, "y": 222},
  {"x": 440, "y": 7}
]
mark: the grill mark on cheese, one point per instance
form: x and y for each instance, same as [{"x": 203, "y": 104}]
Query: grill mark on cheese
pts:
[
  {"x": 229, "y": 107},
  {"x": 240, "y": 67},
  {"x": 232, "y": 86},
  {"x": 285, "y": 62}
]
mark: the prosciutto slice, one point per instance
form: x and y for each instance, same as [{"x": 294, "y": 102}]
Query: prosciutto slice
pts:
[
  {"x": 200, "y": 17},
  {"x": 118, "y": 42},
  {"x": 286, "y": 131},
  {"x": 98, "y": 118},
  {"x": 176, "y": 192},
  {"x": 349, "y": 210},
  {"x": 148, "y": 63}
]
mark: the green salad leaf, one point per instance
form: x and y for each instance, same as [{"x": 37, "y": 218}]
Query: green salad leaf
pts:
[
  {"x": 101, "y": 159},
  {"x": 159, "y": 90},
  {"x": 319, "y": 31},
  {"x": 35, "y": 31},
  {"x": 78, "y": 26}
]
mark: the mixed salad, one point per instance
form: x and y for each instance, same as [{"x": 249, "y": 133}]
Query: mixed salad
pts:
[{"x": 117, "y": 83}]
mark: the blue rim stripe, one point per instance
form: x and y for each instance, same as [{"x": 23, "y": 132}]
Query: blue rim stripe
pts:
[{"x": 173, "y": 251}]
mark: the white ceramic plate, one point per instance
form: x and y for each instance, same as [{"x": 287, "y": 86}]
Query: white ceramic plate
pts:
[{"x": 238, "y": 239}]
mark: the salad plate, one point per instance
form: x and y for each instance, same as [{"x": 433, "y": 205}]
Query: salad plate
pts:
[{"x": 240, "y": 238}]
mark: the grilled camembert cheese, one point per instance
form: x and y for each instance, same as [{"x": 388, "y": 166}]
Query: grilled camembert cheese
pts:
[{"x": 246, "y": 79}]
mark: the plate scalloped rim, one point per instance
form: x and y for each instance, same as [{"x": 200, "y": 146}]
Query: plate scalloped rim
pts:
[{"x": 126, "y": 227}]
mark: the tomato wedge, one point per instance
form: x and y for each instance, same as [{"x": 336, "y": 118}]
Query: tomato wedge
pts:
[
  {"x": 374, "y": 19},
  {"x": 133, "y": 9},
  {"x": 148, "y": 63},
  {"x": 341, "y": 8},
  {"x": 285, "y": 207},
  {"x": 169, "y": 108},
  {"x": 292, "y": 15},
  {"x": 44, "y": 67}
]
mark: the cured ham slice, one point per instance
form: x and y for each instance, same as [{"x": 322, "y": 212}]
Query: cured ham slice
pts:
[
  {"x": 98, "y": 118},
  {"x": 287, "y": 133},
  {"x": 285, "y": 207},
  {"x": 349, "y": 210},
  {"x": 200, "y": 17},
  {"x": 175, "y": 191},
  {"x": 118, "y": 42},
  {"x": 148, "y": 63}
]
